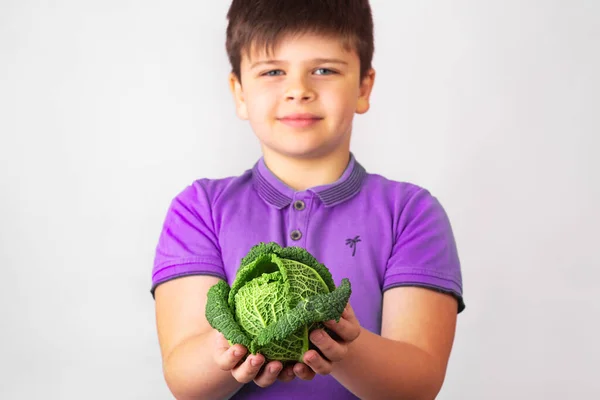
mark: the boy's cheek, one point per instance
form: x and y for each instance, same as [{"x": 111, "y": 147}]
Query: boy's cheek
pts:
[{"x": 261, "y": 100}]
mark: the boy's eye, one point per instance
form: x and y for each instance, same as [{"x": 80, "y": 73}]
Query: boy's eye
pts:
[
  {"x": 274, "y": 72},
  {"x": 324, "y": 71},
  {"x": 318, "y": 71}
]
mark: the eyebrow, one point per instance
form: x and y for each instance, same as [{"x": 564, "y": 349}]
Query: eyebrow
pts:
[{"x": 313, "y": 61}]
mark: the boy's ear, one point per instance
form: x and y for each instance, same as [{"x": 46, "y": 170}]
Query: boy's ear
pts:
[
  {"x": 238, "y": 96},
  {"x": 366, "y": 87}
]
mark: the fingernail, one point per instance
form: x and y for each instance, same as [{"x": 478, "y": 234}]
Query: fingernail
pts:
[
  {"x": 290, "y": 372},
  {"x": 275, "y": 370},
  {"x": 237, "y": 352},
  {"x": 317, "y": 336},
  {"x": 254, "y": 362}
]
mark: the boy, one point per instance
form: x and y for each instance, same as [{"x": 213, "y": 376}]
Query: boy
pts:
[{"x": 300, "y": 70}]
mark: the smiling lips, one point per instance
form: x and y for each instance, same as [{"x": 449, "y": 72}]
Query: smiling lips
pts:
[{"x": 300, "y": 120}]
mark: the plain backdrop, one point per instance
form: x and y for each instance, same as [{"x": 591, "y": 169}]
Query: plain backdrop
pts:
[{"x": 109, "y": 108}]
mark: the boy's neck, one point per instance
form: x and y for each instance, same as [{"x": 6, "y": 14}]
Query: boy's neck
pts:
[{"x": 302, "y": 174}]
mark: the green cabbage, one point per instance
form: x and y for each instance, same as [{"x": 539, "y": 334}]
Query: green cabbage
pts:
[{"x": 279, "y": 295}]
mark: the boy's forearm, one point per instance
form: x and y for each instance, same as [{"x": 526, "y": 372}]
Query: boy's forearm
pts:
[
  {"x": 191, "y": 372},
  {"x": 380, "y": 368}
]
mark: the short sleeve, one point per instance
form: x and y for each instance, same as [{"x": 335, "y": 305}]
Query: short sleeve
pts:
[
  {"x": 424, "y": 252},
  {"x": 188, "y": 244}
]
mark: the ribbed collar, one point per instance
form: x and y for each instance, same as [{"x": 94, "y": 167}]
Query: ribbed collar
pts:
[{"x": 277, "y": 193}]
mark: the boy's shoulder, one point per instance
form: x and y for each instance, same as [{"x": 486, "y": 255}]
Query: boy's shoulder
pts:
[
  {"x": 384, "y": 183},
  {"x": 216, "y": 188},
  {"x": 397, "y": 196}
]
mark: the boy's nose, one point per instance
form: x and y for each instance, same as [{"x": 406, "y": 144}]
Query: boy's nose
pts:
[{"x": 299, "y": 93}]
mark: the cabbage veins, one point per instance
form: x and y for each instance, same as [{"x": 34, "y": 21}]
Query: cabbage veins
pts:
[{"x": 279, "y": 295}]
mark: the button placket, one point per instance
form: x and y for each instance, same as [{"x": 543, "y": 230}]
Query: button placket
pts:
[
  {"x": 298, "y": 219},
  {"x": 299, "y": 205}
]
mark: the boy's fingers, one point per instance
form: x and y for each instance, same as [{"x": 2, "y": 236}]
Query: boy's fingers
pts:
[
  {"x": 269, "y": 374},
  {"x": 220, "y": 342},
  {"x": 317, "y": 363},
  {"x": 228, "y": 359},
  {"x": 248, "y": 370},
  {"x": 348, "y": 313},
  {"x": 303, "y": 372},
  {"x": 287, "y": 374},
  {"x": 331, "y": 349},
  {"x": 347, "y": 329}
]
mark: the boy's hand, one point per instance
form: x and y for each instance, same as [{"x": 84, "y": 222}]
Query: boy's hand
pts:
[
  {"x": 229, "y": 358},
  {"x": 347, "y": 329}
]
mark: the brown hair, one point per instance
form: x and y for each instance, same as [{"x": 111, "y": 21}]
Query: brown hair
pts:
[{"x": 258, "y": 23}]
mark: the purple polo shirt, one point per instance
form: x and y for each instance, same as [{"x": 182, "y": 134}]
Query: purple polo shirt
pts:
[{"x": 376, "y": 232}]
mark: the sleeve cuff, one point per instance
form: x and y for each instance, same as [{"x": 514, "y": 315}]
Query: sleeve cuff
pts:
[
  {"x": 420, "y": 277},
  {"x": 186, "y": 268}
]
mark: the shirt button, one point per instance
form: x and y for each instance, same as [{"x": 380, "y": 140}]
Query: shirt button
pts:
[
  {"x": 299, "y": 205},
  {"x": 296, "y": 235}
]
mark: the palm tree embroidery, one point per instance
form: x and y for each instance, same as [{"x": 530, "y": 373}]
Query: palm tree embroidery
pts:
[{"x": 352, "y": 243}]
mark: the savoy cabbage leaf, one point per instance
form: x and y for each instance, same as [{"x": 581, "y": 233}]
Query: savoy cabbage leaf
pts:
[{"x": 279, "y": 295}]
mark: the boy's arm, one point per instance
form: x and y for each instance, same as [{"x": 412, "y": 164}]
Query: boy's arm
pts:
[
  {"x": 409, "y": 359},
  {"x": 198, "y": 363},
  {"x": 187, "y": 341}
]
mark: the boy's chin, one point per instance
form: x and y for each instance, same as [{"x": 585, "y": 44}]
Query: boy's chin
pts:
[{"x": 305, "y": 153}]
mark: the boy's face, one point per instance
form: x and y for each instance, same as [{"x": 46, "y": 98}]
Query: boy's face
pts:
[{"x": 301, "y": 99}]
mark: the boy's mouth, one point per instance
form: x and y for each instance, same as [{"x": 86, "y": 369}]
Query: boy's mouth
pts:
[{"x": 300, "y": 120}]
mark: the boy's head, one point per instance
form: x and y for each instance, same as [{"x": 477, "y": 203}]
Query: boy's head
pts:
[
  {"x": 263, "y": 23},
  {"x": 300, "y": 70}
]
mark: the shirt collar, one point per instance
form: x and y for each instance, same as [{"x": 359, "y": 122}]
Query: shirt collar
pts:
[{"x": 277, "y": 193}]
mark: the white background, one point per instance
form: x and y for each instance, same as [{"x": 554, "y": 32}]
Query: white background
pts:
[{"x": 109, "y": 108}]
